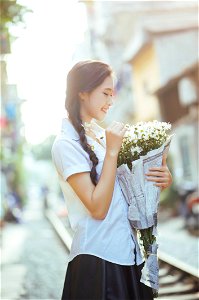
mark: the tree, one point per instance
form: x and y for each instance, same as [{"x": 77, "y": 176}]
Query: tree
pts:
[{"x": 11, "y": 14}]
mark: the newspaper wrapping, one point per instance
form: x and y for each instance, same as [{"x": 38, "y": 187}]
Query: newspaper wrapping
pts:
[{"x": 142, "y": 197}]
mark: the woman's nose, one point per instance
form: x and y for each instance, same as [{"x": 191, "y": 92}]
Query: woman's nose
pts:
[{"x": 110, "y": 100}]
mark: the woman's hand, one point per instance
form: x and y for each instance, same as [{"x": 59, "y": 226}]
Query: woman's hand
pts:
[
  {"x": 160, "y": 175},
  {"x": 114, "y": 137}
]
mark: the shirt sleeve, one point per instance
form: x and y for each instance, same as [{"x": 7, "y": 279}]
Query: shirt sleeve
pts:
[{"x": 69, "y": 158}]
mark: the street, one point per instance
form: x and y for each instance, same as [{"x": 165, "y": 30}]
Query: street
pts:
[{"x": 34, "y": 260}]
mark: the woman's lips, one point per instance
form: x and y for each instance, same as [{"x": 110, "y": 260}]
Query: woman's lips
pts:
[{"x": 104, "y": 110}]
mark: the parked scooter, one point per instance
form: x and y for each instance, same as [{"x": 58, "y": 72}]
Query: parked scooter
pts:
[
  {"x": 189, "y": 206},
  {"x": 13, "y": 211},
  {"x": 192, "y": 220},
  {"x": 184, "y": 189}
]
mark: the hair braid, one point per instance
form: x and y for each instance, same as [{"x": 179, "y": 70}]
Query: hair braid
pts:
[{"x": 77, "y": 123}]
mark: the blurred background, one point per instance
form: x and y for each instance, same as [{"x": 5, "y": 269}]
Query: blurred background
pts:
[{"x": 153, "y": 48}]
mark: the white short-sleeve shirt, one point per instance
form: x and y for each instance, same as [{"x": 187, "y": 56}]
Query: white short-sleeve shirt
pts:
[{"x": 112, "y": 238}]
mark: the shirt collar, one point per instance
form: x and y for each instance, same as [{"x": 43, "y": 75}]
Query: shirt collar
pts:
[{"x": 68, "y": 129}]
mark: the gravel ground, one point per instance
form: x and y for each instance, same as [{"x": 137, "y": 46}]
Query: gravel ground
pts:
[
  {"x": 177, "y": 242},
  {"x": 46, "y": 262}
]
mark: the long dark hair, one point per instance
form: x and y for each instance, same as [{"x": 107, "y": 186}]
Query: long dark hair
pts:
[{"x": 85, "y": 76}]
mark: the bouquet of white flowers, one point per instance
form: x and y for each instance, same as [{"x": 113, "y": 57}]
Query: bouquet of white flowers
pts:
[{"x": 143, "y": 147}]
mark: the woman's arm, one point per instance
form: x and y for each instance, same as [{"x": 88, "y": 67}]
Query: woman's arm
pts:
[{"x": 97, "y": 198}]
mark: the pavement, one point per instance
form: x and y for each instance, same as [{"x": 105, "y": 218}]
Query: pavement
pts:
[{"x": 33, "y": 260}]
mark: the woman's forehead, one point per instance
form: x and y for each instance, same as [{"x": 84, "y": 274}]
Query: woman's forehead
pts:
[{"x": 107, "y": 84}]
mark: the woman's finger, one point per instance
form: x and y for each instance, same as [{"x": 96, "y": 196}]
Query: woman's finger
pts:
[
  {"x": 161, "y": 169},
  {"x": 162, "y": 185},
  {"x": 160, "y": 174},
  {"x": 113, "y": 126},
  {"x": 157, "y": 179},
  {"x": 117, "y": 125},
  {"x": 123, "y": 130},
  {"x": 119, "y": 128}
]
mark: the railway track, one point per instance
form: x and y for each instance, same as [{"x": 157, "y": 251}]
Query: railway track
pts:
[
  {"x": 175, "y": 283},
  {"x": 177, "y": 280}
]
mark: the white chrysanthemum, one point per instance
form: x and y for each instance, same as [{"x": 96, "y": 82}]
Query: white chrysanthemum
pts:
[
  {"x": 130, "y": 134},
  {"x": 140, "y": 136},
  {"x": 136, "y": 149},
  {"x": 140, "y": 124},
  {"x": 167, "y": 126},
  {"x": 146, "y": 136},
  {"x": 143, "y": 131}
]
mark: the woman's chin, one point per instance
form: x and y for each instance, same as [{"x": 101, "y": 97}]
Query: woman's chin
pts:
[{"x": 101, "y": 116}]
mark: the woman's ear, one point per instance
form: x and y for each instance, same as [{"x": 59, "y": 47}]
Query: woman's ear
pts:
[{"x": 82, "y": 95}]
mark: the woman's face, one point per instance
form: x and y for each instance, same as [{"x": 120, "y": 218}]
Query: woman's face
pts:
[{"x": 96, "y": 104}]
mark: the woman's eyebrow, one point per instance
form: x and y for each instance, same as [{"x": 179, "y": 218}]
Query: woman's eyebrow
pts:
[{"x": 109, "y": 89}]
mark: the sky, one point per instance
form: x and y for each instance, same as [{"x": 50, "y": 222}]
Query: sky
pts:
[{"x": 41, "y": 57}]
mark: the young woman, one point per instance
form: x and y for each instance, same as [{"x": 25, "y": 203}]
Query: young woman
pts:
[{"x": 105, "y": 261}]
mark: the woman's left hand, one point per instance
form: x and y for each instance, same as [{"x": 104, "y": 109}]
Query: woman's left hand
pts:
[{"x": 160, "y": 175}]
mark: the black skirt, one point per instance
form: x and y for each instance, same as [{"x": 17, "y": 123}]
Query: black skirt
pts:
[{"x": 91, "y": 278}]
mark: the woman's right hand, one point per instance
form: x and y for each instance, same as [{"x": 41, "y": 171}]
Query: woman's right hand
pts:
[{"x": 114, "y": 137}]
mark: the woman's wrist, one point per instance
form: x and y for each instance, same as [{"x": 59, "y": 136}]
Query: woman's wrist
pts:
[{"x": 112, "y": 154}]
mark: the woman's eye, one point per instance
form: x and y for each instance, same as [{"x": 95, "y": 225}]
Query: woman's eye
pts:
[{"x": 107, "y": 95}]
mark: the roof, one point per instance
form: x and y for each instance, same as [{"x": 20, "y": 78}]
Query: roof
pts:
[
  {"x": 176, "y": 78},
  {"x": 146, "y": 35}
]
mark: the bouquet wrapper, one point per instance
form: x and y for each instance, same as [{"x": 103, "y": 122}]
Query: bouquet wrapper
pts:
[
  {"x": 150, "y": 270},
  {"x": 143, "y": 199}
]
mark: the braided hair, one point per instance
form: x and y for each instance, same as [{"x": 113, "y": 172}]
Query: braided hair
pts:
[{"x": 85, "y": 76}]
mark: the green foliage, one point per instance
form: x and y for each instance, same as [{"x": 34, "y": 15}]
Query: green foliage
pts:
[
  {"x": 125, "y": 155},
  {"x": 11, "y": 14},
  {"x": 147, "y": 237}
]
